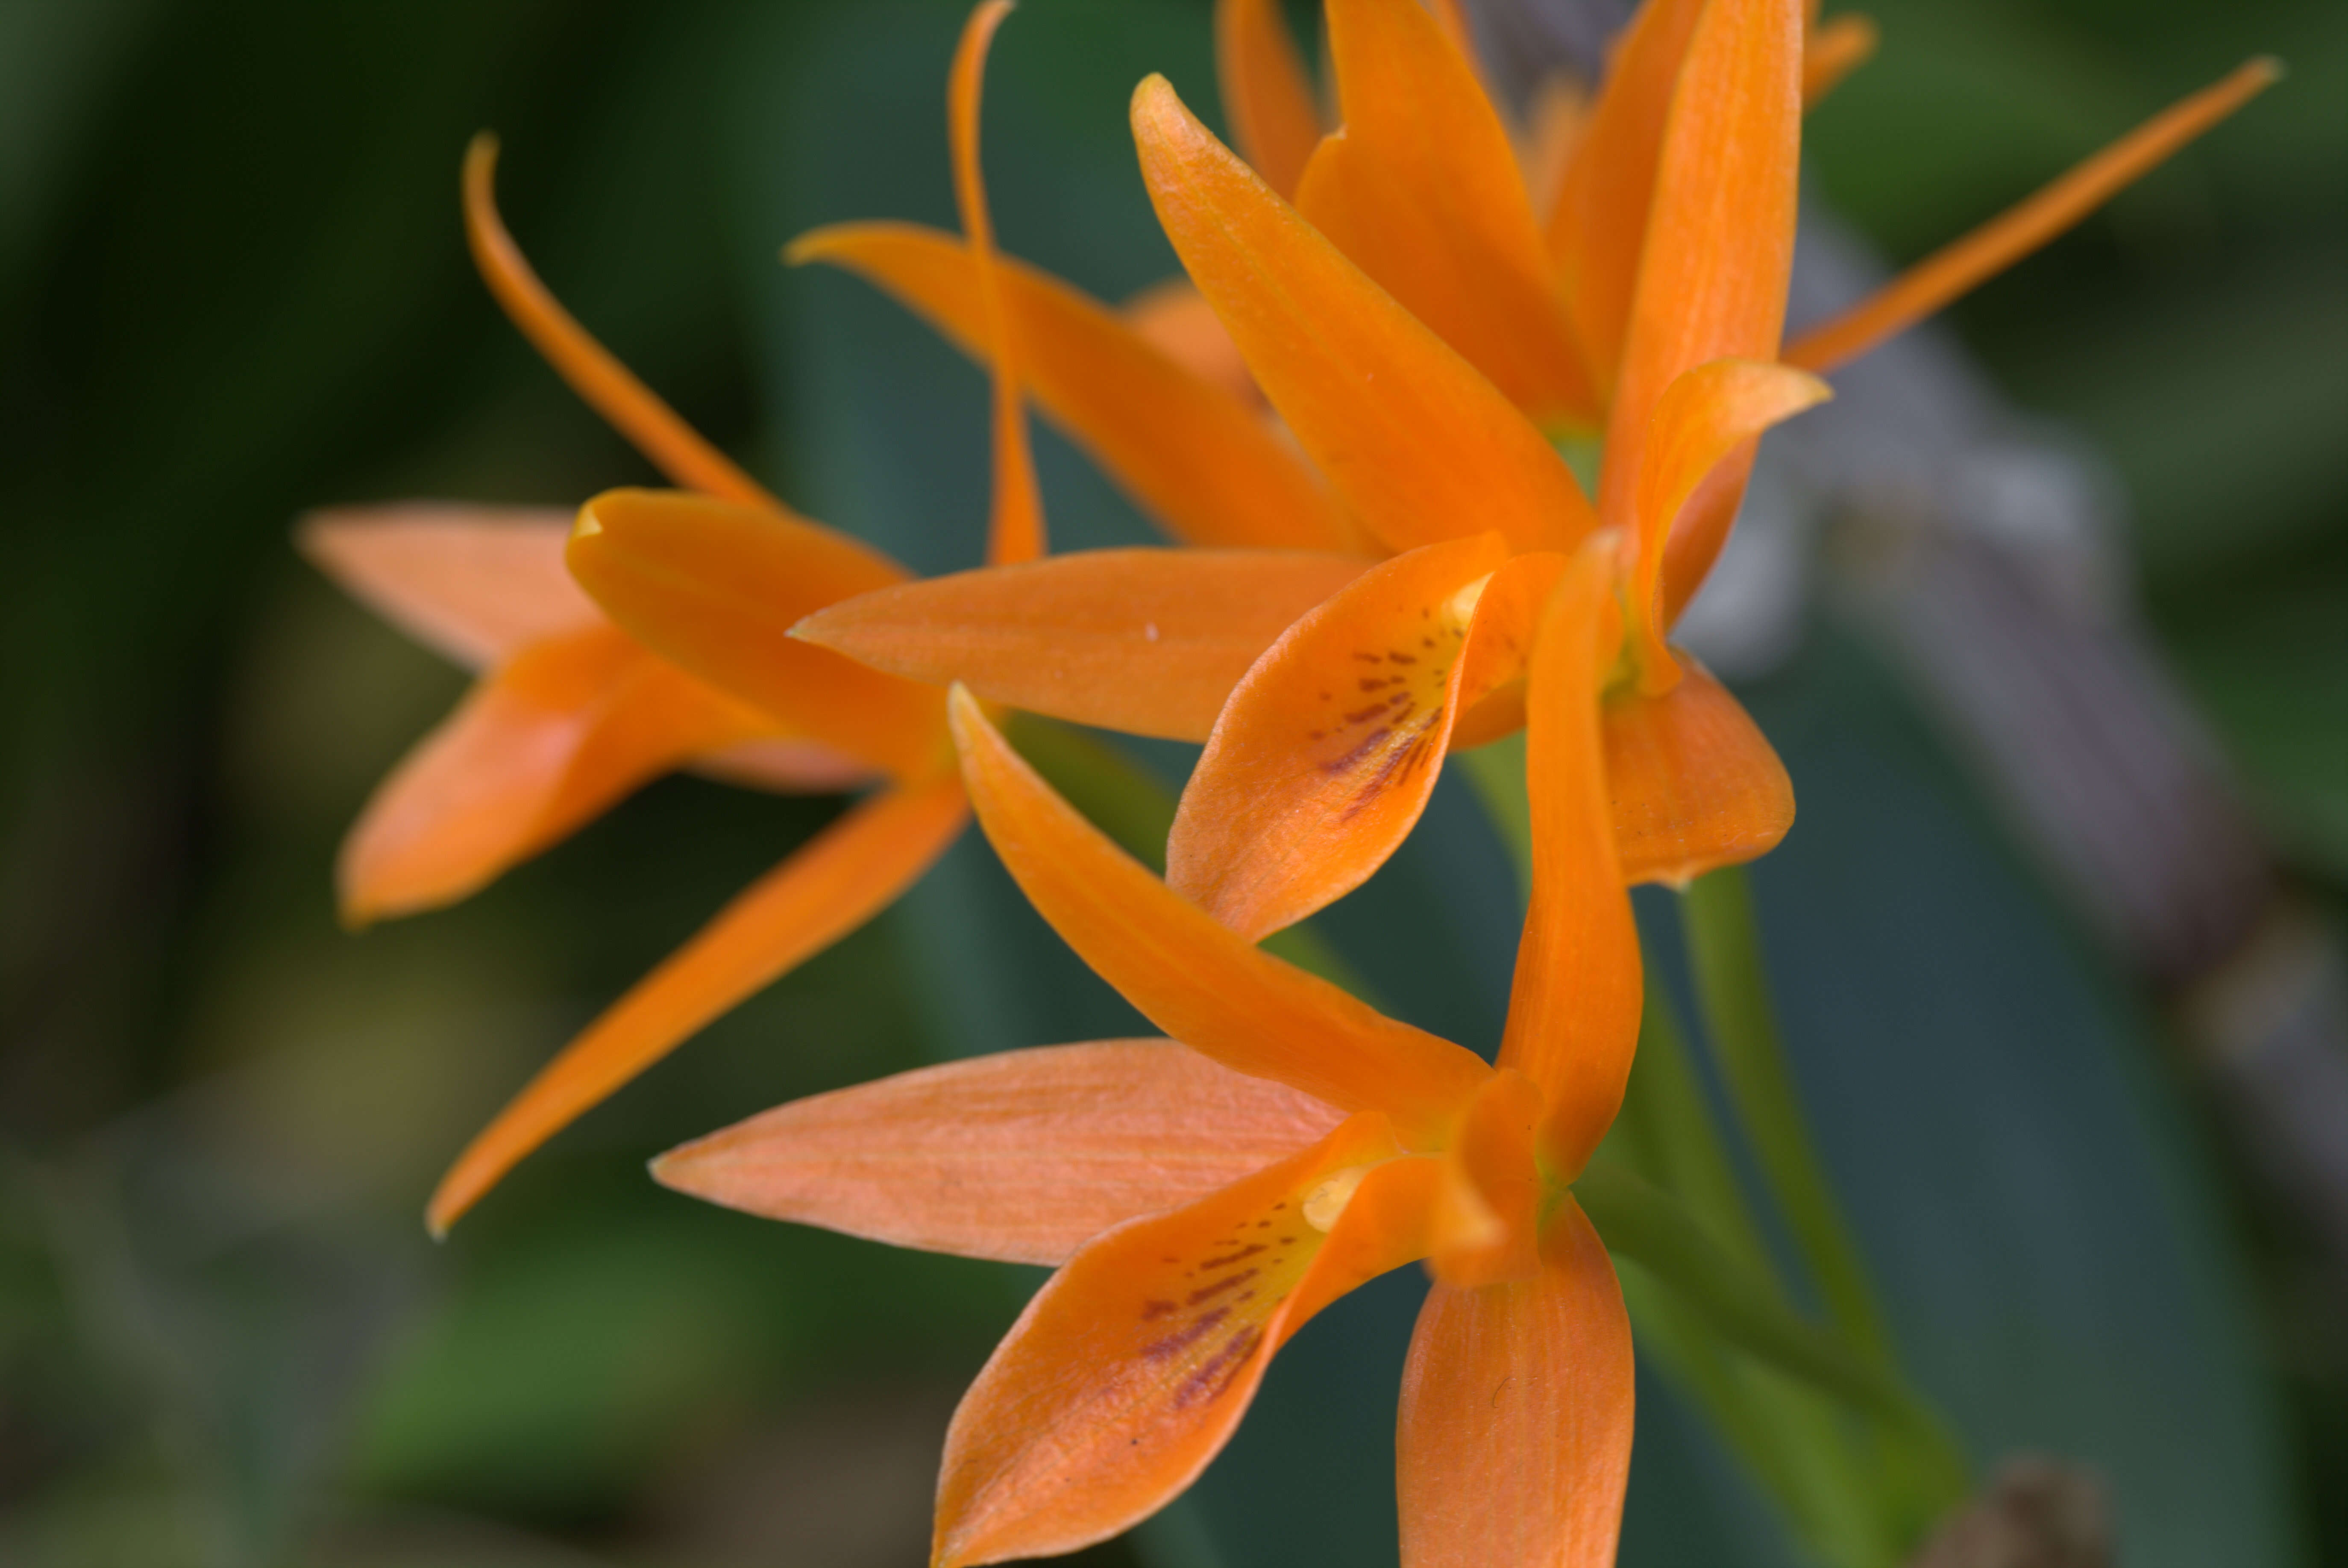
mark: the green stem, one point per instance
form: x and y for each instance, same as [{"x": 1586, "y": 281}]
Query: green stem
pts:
[{"x": 1733, "y": 990}]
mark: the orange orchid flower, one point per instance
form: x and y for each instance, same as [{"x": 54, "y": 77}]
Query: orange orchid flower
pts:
[
  {"x": 589, "y": 694},
  {"x": 1203, "y": 1204},
  {"x": 1420, "y": 336}
]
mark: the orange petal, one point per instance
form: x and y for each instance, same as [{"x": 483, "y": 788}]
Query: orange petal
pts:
[
  {"x": 1532, "y": 1381},
  {"x": 474, "y": 583},
  {"x": 609, "y": 387},
  {"x": 1834, "y": 50},
  {"x": 553, "y": 738},
  {"x": 1719, "y": 250},
  {"x": 1558, "y": 116},
  {"x": 717, "y": 587},
  {"x": 1175, "y": 318},
  {"x": 1024, "y": 1156},
  {"x": 1191, "y": 975},
  {"x": 826, "y": 888},
  {"x": 1693, "y": 785},
  {"x": 1702, "y": 418},
  {"x": 1194, "y": 456},
  {"x": 1132, "y": 1367},
  {"x": 1149, "y": 641},
  {"x": 1573, "y": 1014},
  {"x": 1422, "y": 190},
  {"x": 2014, "y": 234},
  {"x": 1015, "y": 520},
  {"x": 1598, "y": 221},
  {"x": 1492, "y": 1186},
  {"x": 1420, "y": 444},
  {"x": 1325, "y": 754},
  {"x": 1274, "y": 117},
  {"x": 786, "y": 765}
]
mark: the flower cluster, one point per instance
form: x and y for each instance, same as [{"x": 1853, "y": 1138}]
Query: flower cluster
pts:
[{"x": 1450, "y": 420}]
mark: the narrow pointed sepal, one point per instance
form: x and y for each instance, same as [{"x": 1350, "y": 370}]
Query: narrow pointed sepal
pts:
[
  {"x": 474, "y": 584},
  {"x": 1420, "y": 444},
  {"x": 1148, "y": 642},
  {"x": 1023, "y": 1156},
  {"x": 1195, "y": 978},
  {"x": 548, "y": 741},
  {"x": 825, "y": 888}
]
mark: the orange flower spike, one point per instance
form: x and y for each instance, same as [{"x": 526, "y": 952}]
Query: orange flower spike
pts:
[
  {"x": 1131, "y": 1367},
  {"x": 1326, "y": 752},
  {"x": 1148, "y": 642},
  {"x": 1016, "y": 529},
  {"x": 1023, "y": 1156},
  {"x": 476, "y": 583},
  {"x": 1531, "y": 1380},
  {"x": 1420, "y": 444},
  {"x": 1193, "y": 978},
  {"x": 551, "y": 740},
  {"x": 1702, "y": 418},
  {"x": 1194, "y": 456},
  {"x": 1719, "y": 250},
  {"x": 1422, "y": 190},
  {"x": 1597, "y": 222},
  {"x": 1265, "y": 92},
  {"x": 2005, "y": 240},
  {"x": 826, "y": 889},
  {"x": 715, "y": 587},
  {"x": 608, "y": 386},
  {"x": 1574, "y": 1012}
]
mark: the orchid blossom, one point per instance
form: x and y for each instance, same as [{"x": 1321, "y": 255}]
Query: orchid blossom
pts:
[
  {"x": 1202, "y": 1203},
  {"x": 1429, "y": 341},
  {"x": 589, "y": 694}
]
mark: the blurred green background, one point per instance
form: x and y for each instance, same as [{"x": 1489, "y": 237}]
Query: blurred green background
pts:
[{"x": 234, "y": 287}]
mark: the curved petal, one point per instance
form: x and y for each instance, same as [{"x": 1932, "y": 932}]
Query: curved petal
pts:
[
  {"x": 1327, "y": 750},
  {"x": 1016, "y": 519},
  {"x": 2014, "y": 233},
  {"x": 718, "y": 587},
  {"x": 826, "y": 888},
  {"x": 1131, "y": 1367},
  {"x": 1195, "y": 456},
  {"x": 1148, "y": 642},
  {"x": 1421, "y": 446},
  {"x": 1532, "y": 1380},
  {"x": 1191, "y": 975},
  {"x": 1422, "y": 190},
  {"x": 1597, "y": 222},
  {"x": 1573, "y": 1011},
  {"x": 551, "y": 740},
  {"x": 1274, "y": 118},
  {"x": 473, "y": 582},
  {"x": 608, "y": 386},
  {"x": 1702, "y": 418},
  {"x": 1693, "y": 783},
  {"x": 1719, "y": 249},
  {"x": 1174, "y": 318},
  {"x": 1833, "y": 50},
  {"x": 1023, "y": 1156},
  {"x": 786, "y": 766}
]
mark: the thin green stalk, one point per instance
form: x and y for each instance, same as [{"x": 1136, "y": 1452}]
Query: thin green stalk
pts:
[{"x": 1732, "y": 991}]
